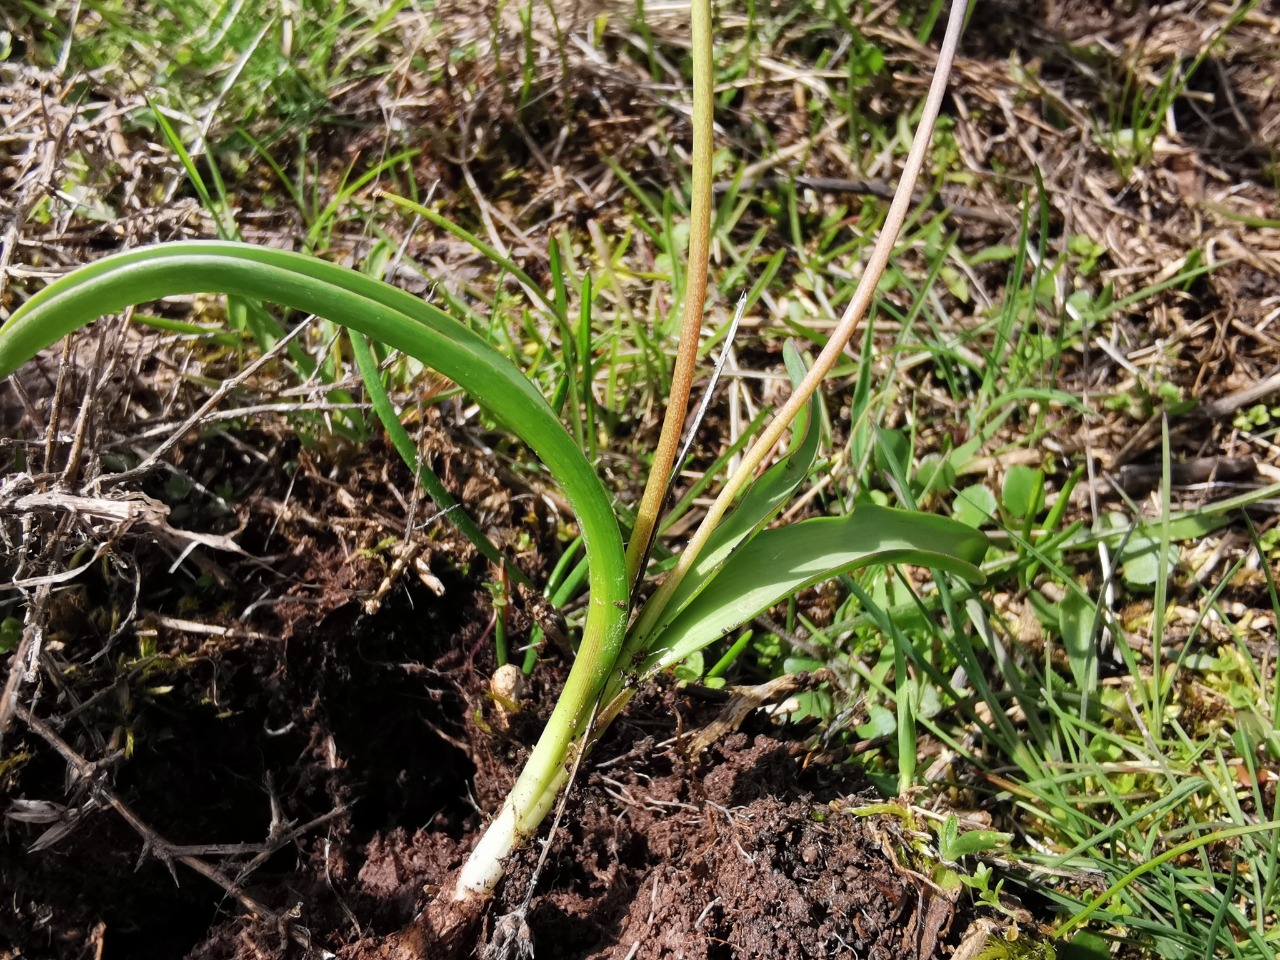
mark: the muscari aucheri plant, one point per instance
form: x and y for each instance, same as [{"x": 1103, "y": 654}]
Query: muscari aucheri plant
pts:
[{"x": 733, "y": 568}]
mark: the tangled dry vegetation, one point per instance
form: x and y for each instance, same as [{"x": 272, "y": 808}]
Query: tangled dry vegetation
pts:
[{"x": 193, "y": 539}]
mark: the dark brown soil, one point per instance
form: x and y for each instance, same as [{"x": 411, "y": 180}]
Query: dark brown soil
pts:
[
  {"x": 327, "y": 769},
  {"x": 735, "y": 856},
  {"x": 740, "y": 853}
]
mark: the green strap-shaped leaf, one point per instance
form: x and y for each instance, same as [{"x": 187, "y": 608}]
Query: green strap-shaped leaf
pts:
[
  {"x": 407, "y": 324},
  {"x": 777, "y": 563}
]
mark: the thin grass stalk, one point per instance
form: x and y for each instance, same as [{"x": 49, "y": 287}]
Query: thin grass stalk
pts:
[
  {"x": 428, "y": 478},
  {"x": 1151, "y": 864},
  {"x": 659, "y": 480}
]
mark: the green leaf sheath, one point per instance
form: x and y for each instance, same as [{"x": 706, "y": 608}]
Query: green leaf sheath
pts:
[
  {"x": 759, "y": 504},
  {"x": 407, "y": 324}
]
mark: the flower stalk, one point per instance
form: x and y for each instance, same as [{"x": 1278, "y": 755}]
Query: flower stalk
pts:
[
  {"x": 546, "y": 771},
  {"x": 695, "y": 298}
]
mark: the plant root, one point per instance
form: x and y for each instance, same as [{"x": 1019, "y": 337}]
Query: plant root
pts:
[{"x": 447, "y": 929}]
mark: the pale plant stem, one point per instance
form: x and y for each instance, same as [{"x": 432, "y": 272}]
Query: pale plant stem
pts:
[
  {"x": 695, "y": 296},
  {"x": 840, "y": 337}
]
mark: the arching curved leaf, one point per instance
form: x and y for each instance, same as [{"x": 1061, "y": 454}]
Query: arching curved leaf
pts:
[{"x": 407, "y": 324}]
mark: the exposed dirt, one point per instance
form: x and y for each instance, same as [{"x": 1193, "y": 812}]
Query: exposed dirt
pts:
[
  {"x": 325, "y": 767},
  {"x": 358, "y": 723},
  {"x": 738, "y": 855}
]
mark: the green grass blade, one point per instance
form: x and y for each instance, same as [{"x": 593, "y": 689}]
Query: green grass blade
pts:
[
  {"x": 490, "y": 253},
  {"x": 428, "y": 478},
  {"x": 1153, "y": 863}
]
